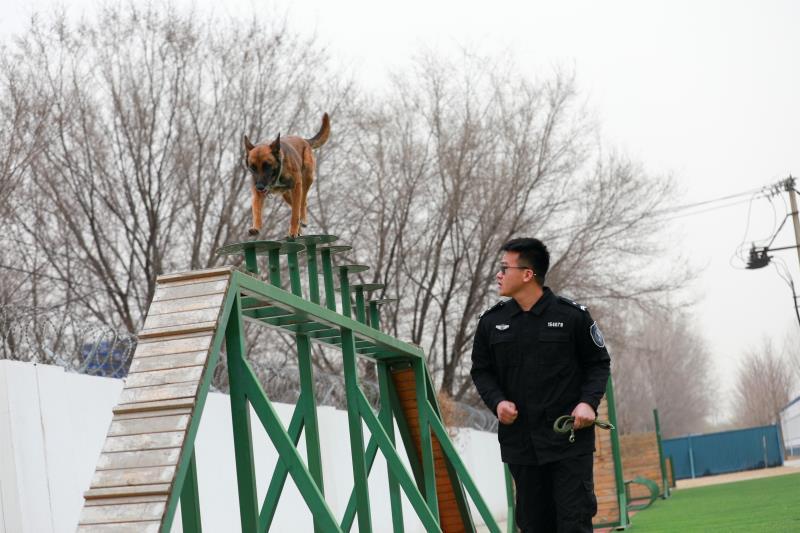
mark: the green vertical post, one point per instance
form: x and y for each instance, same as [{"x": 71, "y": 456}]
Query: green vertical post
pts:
[
  {"x": 356, "y": 432},
  {"x": 190, "y": 500},
  {"x": 425, "y": 438},
  {"x": 240, "y": 416},
  {"x": 344, "y": 286},
  {"x": 294, "y": 273},
  {"x": 275, "y": 267},
  {"x": 327, "y": 278},
  {"x": 307, "y": 393},
  {"x": 510, "y": 500},
  {"x": 374, "y": 315},
  {"x": 313, "y": 274},
  {"x": 309, "y": 406},
  {"x": 661, "y": 459},
  {"x": 250, "y": 259},
  {"x": 361, "y": 315},
  {"x": 619, "y": 477},
  {"x": 387, "y": 421}
]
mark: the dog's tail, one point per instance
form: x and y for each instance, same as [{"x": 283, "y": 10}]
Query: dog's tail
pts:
[{"x": 322, "y": 135}]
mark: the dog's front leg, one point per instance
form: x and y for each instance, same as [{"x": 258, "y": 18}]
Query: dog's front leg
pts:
[{"x": 258, "y": 204}]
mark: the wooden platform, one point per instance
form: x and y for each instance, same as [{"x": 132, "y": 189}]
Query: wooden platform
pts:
[{"x": 136, "y": 470}]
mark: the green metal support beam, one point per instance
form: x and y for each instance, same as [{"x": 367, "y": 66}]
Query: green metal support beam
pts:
[
  {"x": 240, "y": 416},
  {"x": 190, "y": 500}
]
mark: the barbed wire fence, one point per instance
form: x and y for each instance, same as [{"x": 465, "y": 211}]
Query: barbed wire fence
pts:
[{"x": 46, "y": 336}]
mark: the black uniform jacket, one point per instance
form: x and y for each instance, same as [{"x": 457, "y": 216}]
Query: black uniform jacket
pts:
[{"x": 546, "y": 361}]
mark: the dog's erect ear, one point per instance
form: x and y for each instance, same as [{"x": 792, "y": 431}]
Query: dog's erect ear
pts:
[
  {"x": 247, "y": 144},
  {"x": 276, "y": 144}
]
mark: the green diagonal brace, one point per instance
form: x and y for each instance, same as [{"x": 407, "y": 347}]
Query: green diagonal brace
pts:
[
  {"x": 396, "y": 466},
  {"x": 279, "y": 476},
  {"x": 350, "y": 511},
  {"x": 288, "y": 452}
]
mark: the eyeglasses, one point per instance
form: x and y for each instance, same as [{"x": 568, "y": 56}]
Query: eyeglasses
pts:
[{"x": 503, "y": 268}]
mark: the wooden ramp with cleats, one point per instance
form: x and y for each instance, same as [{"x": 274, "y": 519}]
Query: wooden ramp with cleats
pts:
[{"x": 136, "y": 472}]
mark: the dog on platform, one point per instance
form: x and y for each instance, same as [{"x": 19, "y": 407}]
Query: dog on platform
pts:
[{"x": 286, "y": 166}]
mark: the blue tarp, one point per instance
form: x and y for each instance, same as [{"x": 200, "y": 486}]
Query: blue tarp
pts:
[{"x": 727, "y": 451}]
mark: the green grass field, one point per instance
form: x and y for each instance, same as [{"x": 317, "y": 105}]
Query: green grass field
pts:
[{"x": 768, "y": 505}]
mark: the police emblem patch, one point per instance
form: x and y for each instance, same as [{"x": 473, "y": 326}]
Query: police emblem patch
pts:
[
  {"x": 597, "y": 335},
  {"x": 502, "y": 327}
]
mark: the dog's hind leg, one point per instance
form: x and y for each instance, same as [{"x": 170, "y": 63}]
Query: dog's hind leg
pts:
[{"x": 308, "y": 179}]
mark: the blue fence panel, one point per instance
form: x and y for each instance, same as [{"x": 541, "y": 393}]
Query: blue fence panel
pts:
[{"x": 727, "y": 451}]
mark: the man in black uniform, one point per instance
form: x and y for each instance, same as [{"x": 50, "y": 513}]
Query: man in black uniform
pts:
[{"x": 537, "y": 357}]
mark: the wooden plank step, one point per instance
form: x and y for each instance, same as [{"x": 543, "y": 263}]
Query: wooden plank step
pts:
[
  {"x": 164, "y": 377},
  {"x": 184, "y": 318},
  {"x": 138, "y": 459},
  {"x": 188, "y": 290},
  {"x": 133, "y": 476},
  {"x": 144, "y": 441},
  {"x": 193, "y": 343},
  {"x": 158, "y": 393},
  {"x": 102, "y": 493},
  {"x": 121, "y": 513},
  {"x": 139, "y": 412},
  {"x": 140, "y": 426},
  {"x": 176, "y": 331},
  {"x": 167, "y": 362},
  {"x": 192, "y": 303},
  {"x": 134, "y": 527},
  {"x": 194, "y": 274},
  {"x": 127, "y": 499},
  {"x": 161, "y": 405}
]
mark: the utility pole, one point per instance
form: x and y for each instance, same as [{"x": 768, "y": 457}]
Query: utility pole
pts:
[{"x": 789, "y": 183}]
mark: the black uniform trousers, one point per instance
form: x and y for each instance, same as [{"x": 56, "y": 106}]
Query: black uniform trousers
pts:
[{"x": 556, "y": 497}]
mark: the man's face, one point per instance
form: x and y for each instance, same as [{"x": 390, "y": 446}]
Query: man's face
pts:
[{"x": 516, "y": 276}]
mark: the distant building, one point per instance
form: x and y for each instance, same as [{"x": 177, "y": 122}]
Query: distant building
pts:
[{"x": 789, "y": 418}]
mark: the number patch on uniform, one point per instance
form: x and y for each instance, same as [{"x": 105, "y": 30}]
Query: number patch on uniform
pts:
[{"x": 597, "y": 335}]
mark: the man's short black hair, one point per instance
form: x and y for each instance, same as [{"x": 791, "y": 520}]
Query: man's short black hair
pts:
[{"x": 532, "y": 253}]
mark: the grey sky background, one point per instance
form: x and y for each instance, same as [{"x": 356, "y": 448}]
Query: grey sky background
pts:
[{"x": 707, "y": 92}]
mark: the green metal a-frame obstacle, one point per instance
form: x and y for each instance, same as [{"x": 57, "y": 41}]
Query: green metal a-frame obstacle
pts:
[{"x": 148, "y": 464}]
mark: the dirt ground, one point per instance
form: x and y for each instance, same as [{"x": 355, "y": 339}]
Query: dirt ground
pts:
[{"x": 789, "y": 467}]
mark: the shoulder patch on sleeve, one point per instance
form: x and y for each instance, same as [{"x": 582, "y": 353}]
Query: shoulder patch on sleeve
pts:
[
  {"x": 498, "y": 305},
  {"x": 572, "y": 303},
  {"x": 597, "y": 335}
]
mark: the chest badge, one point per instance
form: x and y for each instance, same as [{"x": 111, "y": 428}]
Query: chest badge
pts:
[
  {"x": 555, "y": 324},
  {"x": 502, "y": 327}
]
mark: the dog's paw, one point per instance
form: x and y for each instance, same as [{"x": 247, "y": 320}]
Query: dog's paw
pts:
[
  {"x": 253, "y": 231},
  {"x": 303, "y": 225}
]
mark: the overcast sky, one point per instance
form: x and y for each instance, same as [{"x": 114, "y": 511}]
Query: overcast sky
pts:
[{"x": 707, "y": 92}]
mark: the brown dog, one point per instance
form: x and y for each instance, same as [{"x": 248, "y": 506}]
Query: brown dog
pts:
[{"x": 284, "y": 166}]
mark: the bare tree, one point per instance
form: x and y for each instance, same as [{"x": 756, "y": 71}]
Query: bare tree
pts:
[
  {"x": 461, "y": 157},
  {"x": 660, "y": 361},
  {"x": 763, "y": 386},
  {"x": 139, "y": 170}
]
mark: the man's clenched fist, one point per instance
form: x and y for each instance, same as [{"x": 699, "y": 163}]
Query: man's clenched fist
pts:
[{"x": 506, "y": 412}]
